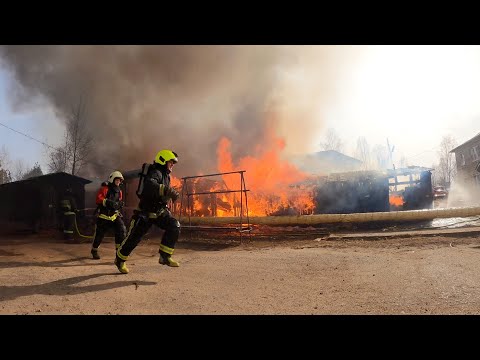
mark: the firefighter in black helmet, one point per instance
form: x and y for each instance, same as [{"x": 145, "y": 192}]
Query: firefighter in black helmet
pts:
[
  {"x": 110, "y": 201},
  {"x": 69, "y": 209},
  {"x": 154, "y": 192}
]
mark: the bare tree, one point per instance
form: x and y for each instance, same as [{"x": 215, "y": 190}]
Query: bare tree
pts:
[
  {"x": 4, "y": 156},
  {"x": 36, "y": 170},
  {"x": 381, "y": 157},
  {"x": 59, "y": 157},
  {"x": 19, "y": 170},
  {"x": 78, "y": 143},
  {"x": 332, "y": 141},
  {"x": 363, "y": 153},
  {"x": 447, "y": 168},
  {"x": 5, "y": 175},
  {"x": 80, "y": 140}
]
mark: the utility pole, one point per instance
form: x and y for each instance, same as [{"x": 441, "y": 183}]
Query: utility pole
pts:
[{"x": 390, "y": 151}]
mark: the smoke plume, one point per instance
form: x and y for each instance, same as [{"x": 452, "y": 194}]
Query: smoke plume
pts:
[{"x": 141, "y": 99}]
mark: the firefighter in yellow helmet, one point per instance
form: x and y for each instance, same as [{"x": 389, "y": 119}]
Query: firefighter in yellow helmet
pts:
[
  {"x": 109, "y": 201},
  {"x": 154, "y": 192}
]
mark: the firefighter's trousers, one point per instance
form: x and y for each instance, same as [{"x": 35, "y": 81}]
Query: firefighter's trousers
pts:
[
  {"x": 141, "y": 223},
  {"x": 102, "y": 227},
  {"x": 68, "y": 224}
]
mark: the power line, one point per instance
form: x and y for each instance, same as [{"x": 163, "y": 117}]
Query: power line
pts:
[
  {"x": 28, "y": 136},
  {"x": 49, "y": 146}
]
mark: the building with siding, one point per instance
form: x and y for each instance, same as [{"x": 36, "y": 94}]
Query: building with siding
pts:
[{"x": 467, "y": 156}]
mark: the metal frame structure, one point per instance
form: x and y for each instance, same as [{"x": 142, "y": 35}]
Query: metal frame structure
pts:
[{"x": 185, "y": 192}]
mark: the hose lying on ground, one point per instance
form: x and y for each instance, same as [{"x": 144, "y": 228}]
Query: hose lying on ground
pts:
[
  {"x": 85, "y": 236},
  {"x": 409, "y": 215}
]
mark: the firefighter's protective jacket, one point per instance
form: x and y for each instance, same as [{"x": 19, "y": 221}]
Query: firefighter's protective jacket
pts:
[
  {"x": 109, "y": 200},
  {"x": 156, "y": 189}
]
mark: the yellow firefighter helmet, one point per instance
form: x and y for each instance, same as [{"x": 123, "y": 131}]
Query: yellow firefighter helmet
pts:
[{"x": 166, "y": 155}]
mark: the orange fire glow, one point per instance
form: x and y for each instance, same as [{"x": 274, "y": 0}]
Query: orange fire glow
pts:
[
  {"x": 396, "y": 200},
  {"x": 272, "y": 184},
  {"x": 175, "y": 182},
  {"x": 270, "y": 181}
]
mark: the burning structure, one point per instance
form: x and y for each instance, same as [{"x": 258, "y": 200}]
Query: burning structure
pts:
[
  {"x": 337, "y": 193},
  {"x": 351, "y": 192},
  {"x": 374, "y": 191},
  {"x": 411, "y": 188}
]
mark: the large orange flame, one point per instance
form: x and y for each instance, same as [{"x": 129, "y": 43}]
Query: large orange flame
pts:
[{"x": 270, "y": 181}]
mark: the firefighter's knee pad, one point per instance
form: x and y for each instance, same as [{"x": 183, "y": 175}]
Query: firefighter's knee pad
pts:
[
  {"x": 174, "y": 227},
  {"x": 173, "y": 224}
]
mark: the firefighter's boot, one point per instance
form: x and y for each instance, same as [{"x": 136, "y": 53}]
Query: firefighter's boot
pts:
[
  {"x": 166, "y": 259},
  {"x": 121, "y": 266},
  {"x": 95, "y": 254}
]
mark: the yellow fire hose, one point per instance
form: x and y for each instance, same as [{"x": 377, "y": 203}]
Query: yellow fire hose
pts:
[
  {"x": 94, "y": 230},
  {"x": 84, "y": 236}
]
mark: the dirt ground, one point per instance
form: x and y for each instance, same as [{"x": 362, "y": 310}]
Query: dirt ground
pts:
[{"x": 433, "y": 274}]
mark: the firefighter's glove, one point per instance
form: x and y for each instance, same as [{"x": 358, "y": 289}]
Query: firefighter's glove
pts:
[
  {"x": 109, "y": 204},
  {"x": 163, "y": 212},
  {"x": 172, "y": 194},
  {"x": 118, "y": 205}
]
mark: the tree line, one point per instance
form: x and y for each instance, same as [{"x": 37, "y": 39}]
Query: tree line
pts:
[
  {"x": 380, "y": 156},
  {"x": 70, "y": 157}
]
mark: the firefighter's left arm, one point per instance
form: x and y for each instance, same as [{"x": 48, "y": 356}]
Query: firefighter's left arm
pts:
[
  {"x": 153, "y": 187},
  {"x": 101, "y": 196},
  {"x": 102, "y": 199},
  {"x": 167, "y": 192},
  {"x": 171, "y": 193},
  {"x": 159, "y": 190}
]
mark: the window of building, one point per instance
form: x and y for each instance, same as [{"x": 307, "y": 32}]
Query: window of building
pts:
[{"x": 462, "y": 159}]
